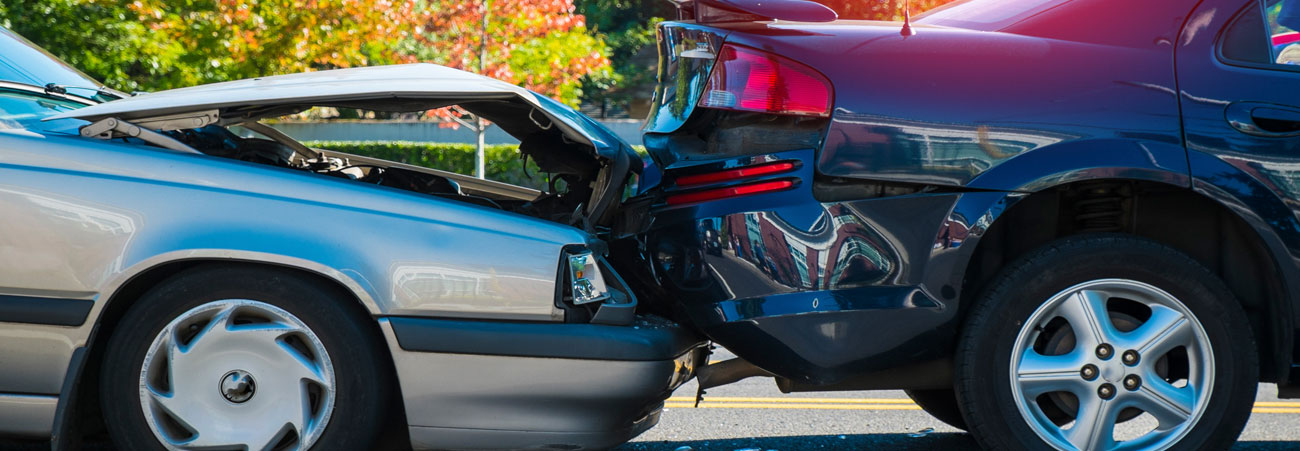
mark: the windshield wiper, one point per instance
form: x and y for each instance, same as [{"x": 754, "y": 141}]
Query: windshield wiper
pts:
[{"x": 103, "y": 91}]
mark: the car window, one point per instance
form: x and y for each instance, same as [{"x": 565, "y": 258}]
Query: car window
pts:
[
  {"x": 1264, "y": 33},
  {"x": 1246, "y": 39},
  {"x": 1283, "y": 23},
  {"x": 25, "y": 110}
]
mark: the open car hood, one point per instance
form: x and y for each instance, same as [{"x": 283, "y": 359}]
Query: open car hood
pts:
[
  {"x": 407, "y": 87},
  {"x": 399, "y": 88}
]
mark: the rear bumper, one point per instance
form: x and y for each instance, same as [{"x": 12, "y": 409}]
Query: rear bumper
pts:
[
  {"x": 815, "y": 292},
  {"x": 494, "y": 385},
  {"x": 826, "y": 337}
]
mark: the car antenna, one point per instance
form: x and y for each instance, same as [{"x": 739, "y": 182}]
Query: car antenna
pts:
[{"x": 907, "y": 20}]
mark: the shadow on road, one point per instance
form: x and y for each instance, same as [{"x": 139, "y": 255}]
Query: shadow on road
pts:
[
  {"x": 944, "y": 441},
  {"x": 939, "y": 441}
]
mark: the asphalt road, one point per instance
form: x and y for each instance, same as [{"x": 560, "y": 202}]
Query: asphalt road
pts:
[{"x": 754, "y": 415}]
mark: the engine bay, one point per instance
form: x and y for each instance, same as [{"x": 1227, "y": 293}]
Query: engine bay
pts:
[{"x": 569, "y": 169}]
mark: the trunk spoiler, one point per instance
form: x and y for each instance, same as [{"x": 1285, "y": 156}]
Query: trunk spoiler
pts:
[{"x": 710, "y": 11}]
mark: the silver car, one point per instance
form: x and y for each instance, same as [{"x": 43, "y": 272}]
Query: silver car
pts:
[{"x": 181, "y": 286}]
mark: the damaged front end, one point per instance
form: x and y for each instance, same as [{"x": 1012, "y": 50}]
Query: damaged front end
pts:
[{"x": 588, "y": 167}]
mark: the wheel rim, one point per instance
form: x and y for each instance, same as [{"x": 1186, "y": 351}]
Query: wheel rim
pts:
[
  {"x": 1130, "y": 349},
  {"x": 237, "y": 374}
]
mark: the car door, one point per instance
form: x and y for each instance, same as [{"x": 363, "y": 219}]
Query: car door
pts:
[
  {"x": 1239, "y": 84},
  {"x": 1240, "y": 94}
]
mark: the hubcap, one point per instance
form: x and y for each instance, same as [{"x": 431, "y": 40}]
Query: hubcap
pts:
[
  {"x": 1065, "y": 352},
  {"x": 274, "y": 380}
]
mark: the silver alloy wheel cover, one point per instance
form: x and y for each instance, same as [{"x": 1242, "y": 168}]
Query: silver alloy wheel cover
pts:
[
  {"x": 1178, "y": 322},
  {"x": 196, "y": 373}
]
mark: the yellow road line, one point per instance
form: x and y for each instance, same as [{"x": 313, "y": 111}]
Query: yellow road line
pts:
[
  {"x": 683, "y": 402},
  {"x": 1271, "y": 410},
  {"x": 1277, "y": 404}
]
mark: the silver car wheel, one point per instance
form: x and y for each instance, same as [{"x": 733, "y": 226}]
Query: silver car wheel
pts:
[
  {"x": 1113, "y": 373},
  {"x": 237, "y": 374}
]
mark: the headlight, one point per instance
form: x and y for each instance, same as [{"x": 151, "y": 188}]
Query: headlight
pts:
[{"x": 585, "y": 279}]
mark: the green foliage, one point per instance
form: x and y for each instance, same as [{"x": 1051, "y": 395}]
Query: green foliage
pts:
[
  {"x": 162, "y": 44},
  {"x": 503, "y": 161},
  {"x": 103, "y": 38},
  {"x": 546, "y": 62},
  {"x": 628, "y": 29}
]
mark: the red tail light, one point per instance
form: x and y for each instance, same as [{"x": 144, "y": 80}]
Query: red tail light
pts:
[
  {"x": 735, "y": 191},
  {"x": 733, "y": 174},
  {"x": 746, "y": 79}
]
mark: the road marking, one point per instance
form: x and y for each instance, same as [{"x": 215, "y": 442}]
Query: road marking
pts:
[
  {"x": 683, "y": 402},
  {"x": 1269, "y": 410},
  {"x": 1277, "y": 404}
]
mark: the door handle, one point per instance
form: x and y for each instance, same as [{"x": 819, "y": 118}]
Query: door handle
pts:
[{"x": 1263, "y": 119}]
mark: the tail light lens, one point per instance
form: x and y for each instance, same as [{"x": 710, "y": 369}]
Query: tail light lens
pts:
[
  {"x": 746, "y": 79},
  {"x": 725, "y": 193}
]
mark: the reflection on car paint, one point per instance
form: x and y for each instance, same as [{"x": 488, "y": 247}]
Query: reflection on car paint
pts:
[
  {"x": 947, "y": 153},
  {"x": 840, "y": 251}
]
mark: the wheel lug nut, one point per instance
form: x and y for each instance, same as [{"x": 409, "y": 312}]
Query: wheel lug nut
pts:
[
  {"x": 1132, "y": 382},
  {"x": 1131, "y": 357},
  {"x": 1105, "y": 351},
  {"x": 1106, "y": 391},
  {"x": 1089, "y": 372}
]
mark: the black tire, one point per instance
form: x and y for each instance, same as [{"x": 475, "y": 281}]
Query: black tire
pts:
[
  {"x": 940, "y": 404},
  {"x": 984, "y": 354},
  {"x": 363, "y": 375}
]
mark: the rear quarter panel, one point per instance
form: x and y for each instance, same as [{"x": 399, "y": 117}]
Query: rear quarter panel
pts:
[{"x": 946, "y": 105}]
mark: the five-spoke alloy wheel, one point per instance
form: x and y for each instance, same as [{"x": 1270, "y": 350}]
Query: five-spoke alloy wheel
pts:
[
  {"x": 1067, "y": 359},
  {"x": 1106, "y": 342}
]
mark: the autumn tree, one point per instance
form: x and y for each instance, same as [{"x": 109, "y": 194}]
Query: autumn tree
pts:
[
  {"x": 233, "y": 39},
  {"x": 161, "y": 44},
  {"x": 628, "y": 29},
  {"x": 542, "y": 45},
  {"x": 880, "y": 9}
]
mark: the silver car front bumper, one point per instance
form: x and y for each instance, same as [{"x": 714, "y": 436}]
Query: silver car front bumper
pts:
[{"x": 494, "y": 385}]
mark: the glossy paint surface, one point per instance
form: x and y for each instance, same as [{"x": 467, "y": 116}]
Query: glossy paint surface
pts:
[
  {"x": 84, "y": 216},
  {"x": 818, "y": 290},
  {"x": 687, "y": 53},
  {"x": 1258, "y": 173}
]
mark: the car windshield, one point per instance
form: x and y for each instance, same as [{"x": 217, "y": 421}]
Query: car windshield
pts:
[
  {"x": 986, "y": 15},
  {"x": 25, "y": 110},
  {"x": 24, "y": 62}
]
